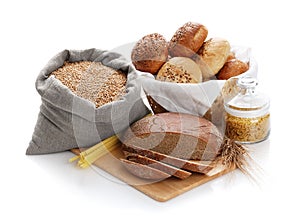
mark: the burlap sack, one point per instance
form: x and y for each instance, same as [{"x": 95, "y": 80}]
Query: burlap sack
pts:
[{"x": 66, "y": 121}]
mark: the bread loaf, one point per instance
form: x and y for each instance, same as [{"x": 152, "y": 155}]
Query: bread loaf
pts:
[{"x": 178, "y": 135}]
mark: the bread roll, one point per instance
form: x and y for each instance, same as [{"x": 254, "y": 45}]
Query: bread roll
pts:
[
  {"x": 150, "y": 53},
  {"x": 232, "y": 68},
  {"x": 187, "y": 40},
  {"x": 180, "y": 70},
  {"x": 212, "y": 56}
]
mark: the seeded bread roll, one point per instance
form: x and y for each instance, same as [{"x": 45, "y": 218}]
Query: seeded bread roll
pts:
[
  {"x": 187, "y": 40},
  {"x": 180, "y": 70},
  {"x": 150, "y": 53},
  {"x": 212, "y": 56},
  {"x": 232, "y": 68}
]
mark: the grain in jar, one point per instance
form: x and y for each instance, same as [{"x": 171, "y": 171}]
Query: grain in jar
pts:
[{"x": 247, "y": 113}]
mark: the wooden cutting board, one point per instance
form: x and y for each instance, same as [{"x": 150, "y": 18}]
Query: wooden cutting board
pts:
[{"x": 159, "y": 191}]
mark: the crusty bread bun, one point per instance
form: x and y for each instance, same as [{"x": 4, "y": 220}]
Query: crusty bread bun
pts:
[
  {"x": 212, "y": 56},
  {"x": 150, "y": 53},
  {"x": 187, "y": 40},
  {"x": 180, "y": 70},
  {"x": 232, "y": 68}
]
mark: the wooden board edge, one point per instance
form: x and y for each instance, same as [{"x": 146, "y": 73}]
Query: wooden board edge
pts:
[{"x": 170, "y": 195}]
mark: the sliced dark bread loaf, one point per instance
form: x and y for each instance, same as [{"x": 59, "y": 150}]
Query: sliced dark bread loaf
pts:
[{"x": 179, "y": 135}]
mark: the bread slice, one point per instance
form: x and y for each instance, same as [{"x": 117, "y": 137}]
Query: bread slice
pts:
[
  {"x": 190, "y": 165},
  {"x": 176, "y": 172},
  {"x": 143, "y": 171},
  {"x": 178, "y": 135}
]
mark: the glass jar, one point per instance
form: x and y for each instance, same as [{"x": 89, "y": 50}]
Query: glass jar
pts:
[{"x": 247, "y": 113}]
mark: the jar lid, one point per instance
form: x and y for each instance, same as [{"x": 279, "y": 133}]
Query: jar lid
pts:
[{"x": 248, "y": 102}]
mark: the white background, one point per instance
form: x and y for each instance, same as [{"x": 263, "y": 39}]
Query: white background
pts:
[{"x": 47, "y": 189}]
